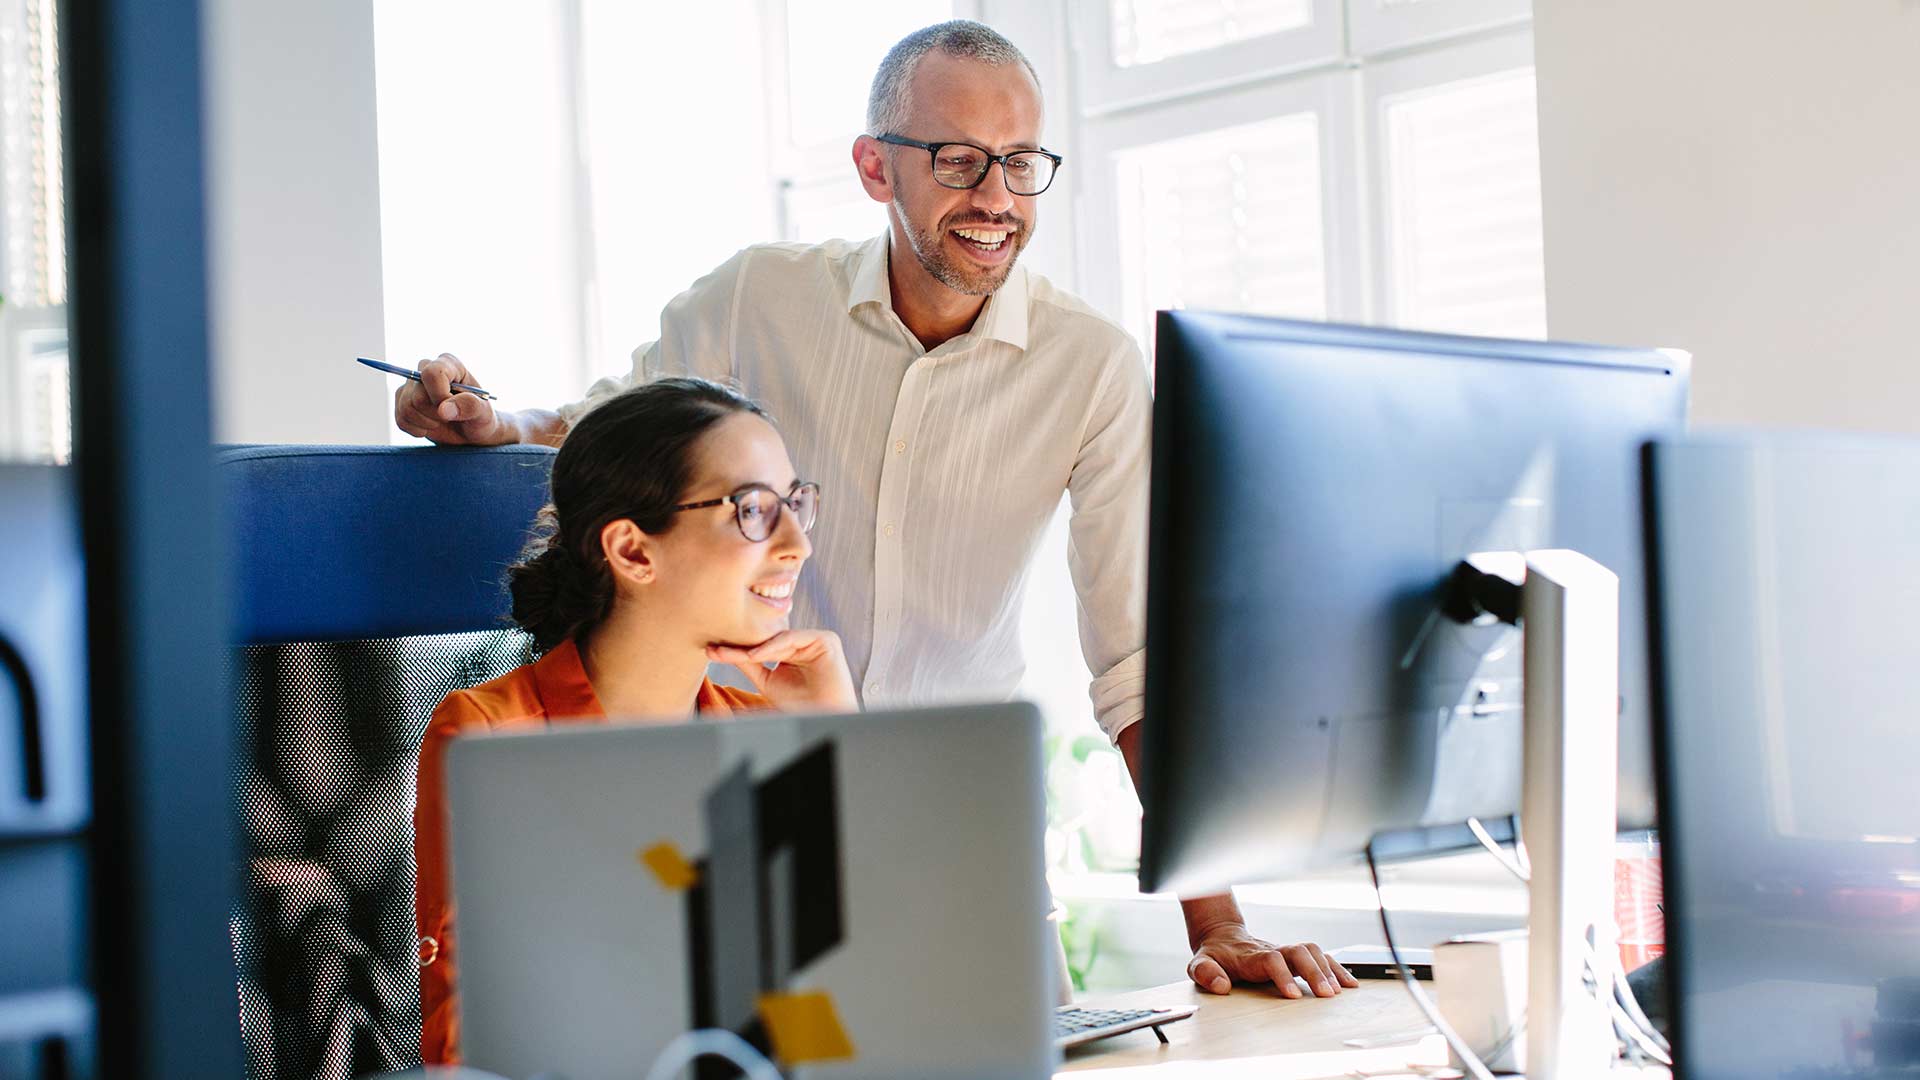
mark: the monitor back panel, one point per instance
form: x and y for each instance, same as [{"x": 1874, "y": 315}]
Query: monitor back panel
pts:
[
  {"x": 1312, "y": 487},
  {"x": 1787, "y": 575}
]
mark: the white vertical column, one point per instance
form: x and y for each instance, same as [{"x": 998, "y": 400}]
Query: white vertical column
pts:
[{"x": 1570, "y": 609}]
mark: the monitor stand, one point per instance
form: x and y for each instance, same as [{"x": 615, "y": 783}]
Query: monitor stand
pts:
[{"x": 1570, "y": 616}]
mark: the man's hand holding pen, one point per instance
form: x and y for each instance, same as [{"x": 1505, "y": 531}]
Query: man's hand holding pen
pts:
[{"x": 432, "y": 409}]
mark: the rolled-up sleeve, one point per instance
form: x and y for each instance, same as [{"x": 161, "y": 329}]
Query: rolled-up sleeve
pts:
[{"x": 1107, "y": 541}]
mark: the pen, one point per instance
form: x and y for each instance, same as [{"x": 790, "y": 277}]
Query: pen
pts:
[{"x": 406, "y": 373}]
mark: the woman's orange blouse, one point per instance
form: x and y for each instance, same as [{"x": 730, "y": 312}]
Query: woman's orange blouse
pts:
[{"x": 552, "y": 690}]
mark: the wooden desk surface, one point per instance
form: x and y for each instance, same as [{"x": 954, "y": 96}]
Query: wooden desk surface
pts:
[{"x": 1301, "y": 1039}]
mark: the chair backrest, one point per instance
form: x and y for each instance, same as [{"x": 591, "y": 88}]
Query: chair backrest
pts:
[{"x": 368, "y": 585}]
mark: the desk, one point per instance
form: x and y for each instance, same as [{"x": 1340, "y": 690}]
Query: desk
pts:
[{"x": 1301, "y": 1039}]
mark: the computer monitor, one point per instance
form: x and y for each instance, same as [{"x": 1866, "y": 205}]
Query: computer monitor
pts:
[
  {"x": 1313, "y": 487},
  {"x": 1785, "y": 586}
]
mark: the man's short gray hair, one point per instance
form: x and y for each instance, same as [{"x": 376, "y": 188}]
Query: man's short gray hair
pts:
[{"x": 888, "y": 103}]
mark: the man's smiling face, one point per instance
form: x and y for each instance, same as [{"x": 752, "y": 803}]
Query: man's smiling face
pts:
[{"x": 965, "y": 240}]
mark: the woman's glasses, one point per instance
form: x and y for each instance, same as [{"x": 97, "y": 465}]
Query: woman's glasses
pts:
[{"x": 756, "y": 507}]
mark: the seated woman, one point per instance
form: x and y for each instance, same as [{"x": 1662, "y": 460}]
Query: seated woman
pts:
[{"x": 676, "y": 532}]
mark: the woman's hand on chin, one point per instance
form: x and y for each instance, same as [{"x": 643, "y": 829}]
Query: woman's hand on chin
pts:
[{"x": 812, "y": 674}]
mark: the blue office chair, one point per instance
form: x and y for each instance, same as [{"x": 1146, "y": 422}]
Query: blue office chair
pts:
[{"x": 368, "y": 584}]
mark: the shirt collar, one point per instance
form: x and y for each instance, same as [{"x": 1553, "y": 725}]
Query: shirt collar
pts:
[
  {"x": 1003, "y": 319},
  {"x": 710, "y": 703},
  {"x": 869, "y": 284},
  {"x": 561, "y": 681},
  {"x": 1005, "y": 316}
]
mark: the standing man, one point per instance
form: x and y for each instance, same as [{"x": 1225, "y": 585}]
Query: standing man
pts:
[{"x": 945, "y": 398}]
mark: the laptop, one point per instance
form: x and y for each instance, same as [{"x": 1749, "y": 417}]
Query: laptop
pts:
[{"x": 857, "y": 896}]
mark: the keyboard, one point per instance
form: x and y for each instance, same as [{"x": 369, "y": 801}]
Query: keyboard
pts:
[{"x": 1073, "y": 1024}]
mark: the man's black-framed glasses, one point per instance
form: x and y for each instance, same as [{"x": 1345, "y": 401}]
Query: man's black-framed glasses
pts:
[
  {"x": 756, "y": 507},
  {"x": 963, "y": 165}
]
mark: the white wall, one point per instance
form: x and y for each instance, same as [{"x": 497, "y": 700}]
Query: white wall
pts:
[
  {"x": 1739, "y": 178},
  {"x": 293, "y": 209}
]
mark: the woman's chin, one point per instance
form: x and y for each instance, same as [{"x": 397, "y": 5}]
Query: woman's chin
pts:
[{"x": 754, "y": 632}]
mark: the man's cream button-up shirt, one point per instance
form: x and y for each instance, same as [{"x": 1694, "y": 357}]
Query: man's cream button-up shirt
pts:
[{"x": 939, "y": 470}]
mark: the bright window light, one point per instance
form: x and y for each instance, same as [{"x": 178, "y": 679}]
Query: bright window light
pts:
[
  {"x": 833, "y": 48},
  {"x": 1230, "y": 219},
  {"x": 1463, "y": 219},
  {"x": 836, "y": 207},
  {"x": 1146, "y": 31},
  {"x": 476, "y": 191},
  {"x": 676, "y": 190}
]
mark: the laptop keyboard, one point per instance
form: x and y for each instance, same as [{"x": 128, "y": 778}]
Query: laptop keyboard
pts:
[{"x": 1073, "y": 1024}]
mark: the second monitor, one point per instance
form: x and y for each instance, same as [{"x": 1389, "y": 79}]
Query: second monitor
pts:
[{"x": 1313, "y": 487}]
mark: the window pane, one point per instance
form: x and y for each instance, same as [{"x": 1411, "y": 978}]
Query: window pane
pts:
[
  {"x": 477, "y": 194},
  {"x": 35, "y": 403},
  {"x": 1229, "y": 220},
  {"x": 829, "y": 209},
  {"x": 1145, "y": 31},
  {"x": 1463, "y": 176},
  {"x": 1093, "y": 817},
  {"x": 833, "y": 47},
  {"x": 675, "y": 191}
]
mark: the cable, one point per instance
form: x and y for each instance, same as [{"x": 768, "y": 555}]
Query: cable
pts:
[
  {"x": 1487, "y": 841},
  {"x": 1623, "y": 995},
  {"x": 689, "y": 1045},
  {"x": 1475, "y": 1067},
  {"x": 1637, "y": 1040},
  {"x": 1520, "y": 846},
  {"x": 1630, "y": 1022},
  {"x": 1631, "y": 1026}
]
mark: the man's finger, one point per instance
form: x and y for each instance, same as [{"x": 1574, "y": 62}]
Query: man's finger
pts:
[
  {"x": 1301, "y": 958},
  {"x": 1280, "y": 973},
  {"x": 414, "y": 413},
  {"x": 1208, "y": 975},
  {"x": 438, "y": 375},
  {"x": 463, "y": 406},
  {"x": 1340, "y": 972},
  {"x": 1324, "y": 966}
]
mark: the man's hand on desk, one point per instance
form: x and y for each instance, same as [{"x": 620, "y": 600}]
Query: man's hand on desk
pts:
[{"x": 1228, "y": 954}]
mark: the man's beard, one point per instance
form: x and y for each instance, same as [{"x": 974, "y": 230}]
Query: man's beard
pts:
[{"x": 969, "y": 280}]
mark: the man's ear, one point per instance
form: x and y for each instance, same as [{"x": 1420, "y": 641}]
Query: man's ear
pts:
[
  {"x": 870, "y": 161},
  {"x": 631, "y": 554}
]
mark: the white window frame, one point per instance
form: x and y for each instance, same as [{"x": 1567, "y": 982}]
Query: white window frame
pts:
[
  {"x": 1380, "y": 26},
  {"x": 1327, "y": 95},
  {"x": 1400, "y": 77},
  {"x": 1107, "y": 87}
]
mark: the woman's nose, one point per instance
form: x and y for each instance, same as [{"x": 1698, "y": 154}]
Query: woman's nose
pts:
[{"x": 789, "y": 540}]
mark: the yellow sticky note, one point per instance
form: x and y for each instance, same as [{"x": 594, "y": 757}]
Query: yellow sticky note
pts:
[
  {"x": 804, "y": 1027},
  {"x": 670, "y": 867}
]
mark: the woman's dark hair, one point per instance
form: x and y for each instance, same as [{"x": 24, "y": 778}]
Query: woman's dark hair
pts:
[{"x": 628, "y": 458}]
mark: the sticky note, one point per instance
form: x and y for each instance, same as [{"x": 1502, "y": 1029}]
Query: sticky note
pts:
[
  {"x": 804, "y": 1027},
  {"x": 672, "y": 869}
]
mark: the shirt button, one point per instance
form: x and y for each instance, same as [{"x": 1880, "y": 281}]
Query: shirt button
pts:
[
  {"x": 889, "y": 529},
  {"x": 873, "y": 687},
  {"x": 900, "y": 446}
]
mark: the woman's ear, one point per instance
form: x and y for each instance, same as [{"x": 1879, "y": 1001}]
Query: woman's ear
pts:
[{"x": 630, "y": 553}]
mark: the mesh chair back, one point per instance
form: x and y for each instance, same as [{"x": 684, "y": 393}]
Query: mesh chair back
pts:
[{"x": 369, "y": 586}]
